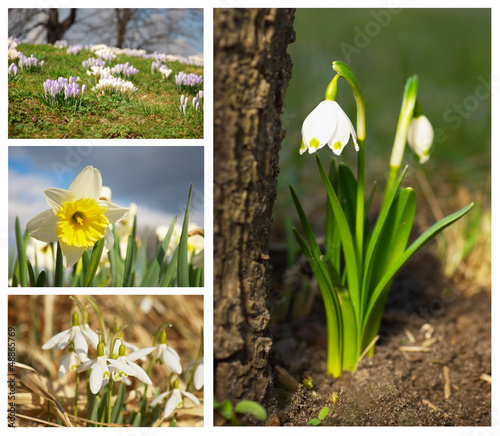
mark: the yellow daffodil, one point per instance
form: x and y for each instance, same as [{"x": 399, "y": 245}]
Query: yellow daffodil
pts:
[
  {"x": 420, "y": 137},
  {"x": 327, "y": 124},
  {"x": 77, "y": 218}
]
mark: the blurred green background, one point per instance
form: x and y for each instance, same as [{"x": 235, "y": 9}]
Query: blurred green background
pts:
[{"x": 449, "y": 50}]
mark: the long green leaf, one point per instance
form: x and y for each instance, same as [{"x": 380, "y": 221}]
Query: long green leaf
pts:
[
  {"x": 332, "y": 234},
  {"x": 95, "y": 259},
  {"x": 21, "y": 255},
  {"x": 410, "y": 251},
  {"x": 348, "y": 192},
  {"x": 316, "y": 251},
  {"x": 128, "y": 274},
  {"x": 152, "y": 275},
  {"x": 394, "y": 237},
  {"x": 40, "y": 281},
  {"x": 332, "y": 310},
  {"x": 59, "y": 271},
  {"x": 182, "y": 261},
  {"x": 115, "y": 412},
  {"x": 375, "y": 236},
  {"x": 31, "y": 273},
  {"x": 346, "y": 237}
]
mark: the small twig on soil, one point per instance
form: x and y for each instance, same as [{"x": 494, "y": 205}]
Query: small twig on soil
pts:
[
  {"x": 410, "y": 336},
  {"x": 371, "y": 344},
  {"x": 485, "y": 377},
  {"x": 414, "y": 349},
  {"x": 432, "y": 406},
  {"x": 429, "y": 342},
  {"x": 446, "y": 376}
]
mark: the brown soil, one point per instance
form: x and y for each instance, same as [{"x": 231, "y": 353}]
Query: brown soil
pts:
[{"x": 444, "y": 384}]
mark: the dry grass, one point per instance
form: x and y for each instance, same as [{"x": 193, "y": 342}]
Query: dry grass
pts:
[{"x": 37, "y": 318}]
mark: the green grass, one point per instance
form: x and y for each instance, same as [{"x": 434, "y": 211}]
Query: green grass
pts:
[{"x": 151, "y": 113}]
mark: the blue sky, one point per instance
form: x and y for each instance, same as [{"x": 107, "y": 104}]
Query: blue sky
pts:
[
  {"x": 186, "y": 38},
  {"x": 156, "y": 178}
]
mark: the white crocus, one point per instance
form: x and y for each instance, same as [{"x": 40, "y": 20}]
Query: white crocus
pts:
[
  {"x": 77, "y": 218},
  {"x": 420, "y": 137},
  {"x": 328, "y": 125},
  {"x": 175, "y": 399},
  {"x": 100, "y": 369},
  {"x": 70, "y": 337}
]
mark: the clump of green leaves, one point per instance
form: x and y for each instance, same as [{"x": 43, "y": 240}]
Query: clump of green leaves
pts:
[{"x": 230, "y": 413}]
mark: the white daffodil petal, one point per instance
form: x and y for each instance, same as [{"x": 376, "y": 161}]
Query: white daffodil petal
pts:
[
  {"x": 43, "y": 226},
  {"x": 109, "y": 240},
  {"x": 159, "y": 398},
  {"x": 173, "y": 402},
  {"x": 70, "y": 254},
  {"x": 113, "y": 212},
  {"x": 54, "y": 340},
  {"x": 55, "y": 197},
  {"x": 87, "y": 184}
]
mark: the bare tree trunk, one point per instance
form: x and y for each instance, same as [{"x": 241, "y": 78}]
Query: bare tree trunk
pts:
[
  {"x": 56, "y": 29},
  {"x": 123, "y": 17},
  {"x": 251, "y": 70}
]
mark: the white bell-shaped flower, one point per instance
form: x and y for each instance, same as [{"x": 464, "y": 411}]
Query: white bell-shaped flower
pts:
[
  {"x": 327, "y": 124},
  {"x": 420, "y": 137}
]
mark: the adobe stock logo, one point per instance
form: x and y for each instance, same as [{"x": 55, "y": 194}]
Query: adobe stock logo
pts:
[{"x": 363, "y": 36}]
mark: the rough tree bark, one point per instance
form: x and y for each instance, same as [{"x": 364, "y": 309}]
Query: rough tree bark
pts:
[
  {"x": 251, "y": 73},
  {"x": 56, "y": 29}
]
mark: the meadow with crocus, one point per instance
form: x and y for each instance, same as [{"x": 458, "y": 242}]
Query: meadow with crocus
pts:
[
  {"x": 107, "y": 361},
  {"x": 61, "y": 91},
  {"x": 84, "y": 239}
]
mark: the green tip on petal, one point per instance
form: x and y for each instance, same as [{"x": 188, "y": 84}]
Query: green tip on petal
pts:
[
  {"x": 337, "y": 145},
  {"x": 75, "y": 319},
  {"x": 302, "y": 146}
]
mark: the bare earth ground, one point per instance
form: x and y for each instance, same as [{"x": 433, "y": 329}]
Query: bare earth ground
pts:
[{"x": 439, "y": 379}]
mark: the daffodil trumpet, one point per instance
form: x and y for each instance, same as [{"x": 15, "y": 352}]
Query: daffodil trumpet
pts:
[{"x": 357, "y": 265}]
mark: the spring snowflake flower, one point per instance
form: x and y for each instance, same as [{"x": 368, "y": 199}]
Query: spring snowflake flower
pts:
[
  {"x": 77, "y": 219},
  {"x": 175, "y": 399},
  {"x": 71, "y": 337},
  {"x": 420, "y": 137},
  {"x": 327, "y": 124},
  {"x": 100, "y": 369}
]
